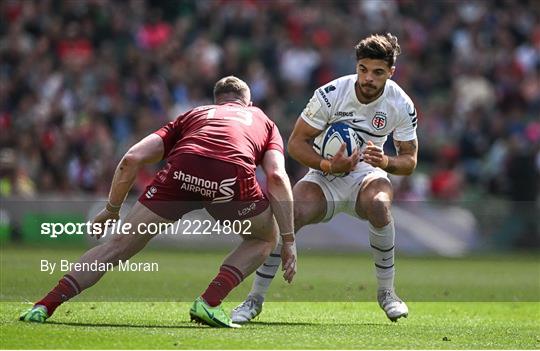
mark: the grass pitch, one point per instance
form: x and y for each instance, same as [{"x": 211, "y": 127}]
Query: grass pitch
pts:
[{"x": 474, "y": 303}]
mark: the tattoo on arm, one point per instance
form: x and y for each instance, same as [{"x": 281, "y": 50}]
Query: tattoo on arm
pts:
[
  {"x": 406, "y": 147},
  {"x": 405, "y": 161},
  {"x": 391, "y": 168}
]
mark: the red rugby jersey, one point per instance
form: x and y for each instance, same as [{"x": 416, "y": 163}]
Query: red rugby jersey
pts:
[{"x": 229, "y": 132}]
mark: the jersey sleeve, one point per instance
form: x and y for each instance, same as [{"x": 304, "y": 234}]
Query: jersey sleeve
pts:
[
  {"x": 408, "y": 120},
  {"x": 275, "y": 142},
  {"x": 170, "y": 134},
  {"x": 316, "y": 112}
]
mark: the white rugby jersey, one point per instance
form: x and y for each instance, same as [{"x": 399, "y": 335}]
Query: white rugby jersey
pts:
[{"x": 336, "y": 101}]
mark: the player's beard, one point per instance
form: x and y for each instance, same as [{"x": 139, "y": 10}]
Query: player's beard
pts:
[{"x": 369, "y": 91}]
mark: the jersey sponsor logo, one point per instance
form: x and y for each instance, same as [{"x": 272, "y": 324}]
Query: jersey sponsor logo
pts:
[
  {"x": 379, "y": 120},
  {"x": 313, "y": 106},
  {"x": 344, "y": 114},
  {"x": 226, "y": 190},
  {"x": 324, "y": 97},
  {"x": 329, "y": 89},
  {"x": 196, "y": 184},
  {"x": 247, "y": 210}
]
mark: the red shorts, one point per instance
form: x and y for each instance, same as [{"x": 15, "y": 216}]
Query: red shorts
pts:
[{"x": 190, "y": 182}]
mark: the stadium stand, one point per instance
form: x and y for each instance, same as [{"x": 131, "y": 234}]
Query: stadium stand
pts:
[{"x": 83, "y": 80}]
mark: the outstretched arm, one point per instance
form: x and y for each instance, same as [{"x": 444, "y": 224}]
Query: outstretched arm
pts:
[
  {"x": 148, "y": 150},
  {"x": 281, "y": 200}
]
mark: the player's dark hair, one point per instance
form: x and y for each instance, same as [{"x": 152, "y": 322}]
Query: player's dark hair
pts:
[
  {"x": 379, "y": 47},
  {"x": 231, "y": 85}
]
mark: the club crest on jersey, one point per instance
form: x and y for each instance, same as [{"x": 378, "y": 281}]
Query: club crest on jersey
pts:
[{"x": 379, "y": 120}]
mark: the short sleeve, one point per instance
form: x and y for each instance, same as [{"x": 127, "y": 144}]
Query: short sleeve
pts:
[
  {"x": 408, "y": 120},
  {"x": 315, "y": 113},
  {"x": 170, "y": 134},
  {"x": 275, "y": 142}
]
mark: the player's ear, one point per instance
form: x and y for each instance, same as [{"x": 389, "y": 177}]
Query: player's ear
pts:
[{"x": 392, "y": 70}]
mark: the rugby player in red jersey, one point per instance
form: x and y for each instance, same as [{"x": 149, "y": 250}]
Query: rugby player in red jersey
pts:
[{"x": 212, "y": 153}]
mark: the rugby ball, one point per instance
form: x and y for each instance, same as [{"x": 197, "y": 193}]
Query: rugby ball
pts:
[{"x": 327, "y": 144}]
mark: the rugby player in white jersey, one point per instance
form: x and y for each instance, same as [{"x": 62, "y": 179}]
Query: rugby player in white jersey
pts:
[{"x": 374, "y": 106}]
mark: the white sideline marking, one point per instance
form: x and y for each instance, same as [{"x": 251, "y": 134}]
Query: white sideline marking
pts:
[{"x": 434, "y": 237}]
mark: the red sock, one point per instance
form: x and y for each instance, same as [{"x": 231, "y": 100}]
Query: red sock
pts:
[
  {"x": 67, "y": 288},
  {"x": 227, "y": 279}
]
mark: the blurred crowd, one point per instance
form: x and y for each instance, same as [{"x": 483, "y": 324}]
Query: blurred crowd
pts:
[{"x": 82, "y": 80}]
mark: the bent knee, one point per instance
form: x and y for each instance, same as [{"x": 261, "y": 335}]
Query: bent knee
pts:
[
  {"x": 380, "y": 203},
  {"x": 379, "y": 210},
  {"x": 381, "y": 199}
]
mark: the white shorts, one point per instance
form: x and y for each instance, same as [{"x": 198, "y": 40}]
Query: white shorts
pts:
[{"x": 341, "y": 192}]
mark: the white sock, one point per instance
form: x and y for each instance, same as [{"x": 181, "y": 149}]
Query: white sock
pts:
[
  {"x": 382, "y": 247},
  {"x": 266, "y": 272}
]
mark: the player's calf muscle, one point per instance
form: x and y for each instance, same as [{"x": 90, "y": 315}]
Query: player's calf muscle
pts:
[{"x": 120, "y": 251}]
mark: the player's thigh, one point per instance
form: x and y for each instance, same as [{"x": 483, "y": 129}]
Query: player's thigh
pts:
[
  {"x": 309, "y": 204},
  {"x": 139, "y": 213},
  {"x": 374, "y": 190},
  {"x": 141, "y": 224}
]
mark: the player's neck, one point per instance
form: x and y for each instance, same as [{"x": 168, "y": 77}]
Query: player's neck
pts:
[
  {"x": 226, "y": 100},
  {"x": 362, "y": 98}
]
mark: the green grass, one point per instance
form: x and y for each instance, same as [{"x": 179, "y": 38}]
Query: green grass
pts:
[
  {"x": 321, "y": 277},
  {"x": 291, "y": 325},
  {"x": 486, "y": 302}
]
